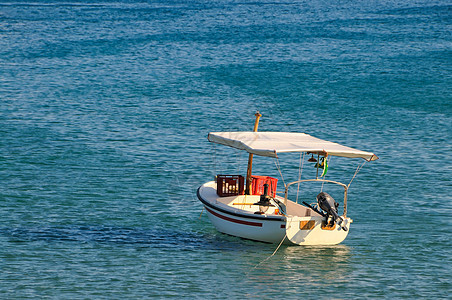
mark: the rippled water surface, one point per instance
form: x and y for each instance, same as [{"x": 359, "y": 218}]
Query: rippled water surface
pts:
[{"x": 104, "y": 113}]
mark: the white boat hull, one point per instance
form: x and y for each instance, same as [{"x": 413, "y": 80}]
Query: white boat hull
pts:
[
  {"x": 259, "y": 230},
  {"x": 230, "y": 216}
]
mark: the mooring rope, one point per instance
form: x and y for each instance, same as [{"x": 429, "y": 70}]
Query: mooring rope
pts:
[
  {"x": 356, "y": 172},
  {"x": 274, "y": 252},
  {"x": 279, "y": 169},
  {"x": 238, "y": 159}
]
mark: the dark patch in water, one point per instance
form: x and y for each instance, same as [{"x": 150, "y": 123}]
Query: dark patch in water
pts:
[{"x": 155, "y": 238}]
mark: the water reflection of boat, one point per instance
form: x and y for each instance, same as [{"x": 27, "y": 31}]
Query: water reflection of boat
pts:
[{"x": 249, "y": 207}]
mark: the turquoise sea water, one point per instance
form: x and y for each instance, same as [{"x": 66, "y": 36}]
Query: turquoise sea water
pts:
[{"x": 104, "y": 112}]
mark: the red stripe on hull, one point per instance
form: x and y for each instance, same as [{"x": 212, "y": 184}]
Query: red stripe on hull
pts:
[{"x": 233, "y": 220}]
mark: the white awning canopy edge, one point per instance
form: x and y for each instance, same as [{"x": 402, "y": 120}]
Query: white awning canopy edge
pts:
[{"x": 271, "y": 143}]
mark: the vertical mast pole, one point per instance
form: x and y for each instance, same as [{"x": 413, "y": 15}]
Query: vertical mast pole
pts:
[{"x": 250, "y": 159}]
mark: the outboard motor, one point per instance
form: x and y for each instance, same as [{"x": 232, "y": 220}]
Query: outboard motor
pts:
[{"x": 327, "y": 203}]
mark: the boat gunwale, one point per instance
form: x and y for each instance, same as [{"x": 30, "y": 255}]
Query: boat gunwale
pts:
[{"x": 237, "y": 214}]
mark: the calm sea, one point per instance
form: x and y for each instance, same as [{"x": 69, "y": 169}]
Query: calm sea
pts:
[{"x": 104, "y": 113}]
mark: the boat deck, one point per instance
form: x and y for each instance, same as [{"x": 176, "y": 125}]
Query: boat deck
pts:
[{"x": 248, "y": 203}]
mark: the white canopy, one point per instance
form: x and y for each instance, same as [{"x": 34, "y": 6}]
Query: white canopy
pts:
[{"x": 271, "y": 143}]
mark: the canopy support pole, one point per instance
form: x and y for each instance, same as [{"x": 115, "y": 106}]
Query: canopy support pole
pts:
[
  {"x": 317, "y": 164},
  {"x": 250, "y": 158},
  {"x": 300, "y": 170}
]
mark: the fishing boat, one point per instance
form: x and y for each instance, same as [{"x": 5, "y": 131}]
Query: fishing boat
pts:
[{"x": 250, "y": 207}]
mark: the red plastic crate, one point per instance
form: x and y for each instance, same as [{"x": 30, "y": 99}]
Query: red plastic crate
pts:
[
  {"x": 230, "y": 185},
  {"x": 257, "y": 185}
]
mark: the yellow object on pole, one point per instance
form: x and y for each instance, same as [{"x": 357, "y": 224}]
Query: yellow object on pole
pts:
[{"x": 250, "y": 158}]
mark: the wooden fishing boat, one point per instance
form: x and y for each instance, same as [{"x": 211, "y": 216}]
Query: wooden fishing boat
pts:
[{"x": 250, "y": 208}]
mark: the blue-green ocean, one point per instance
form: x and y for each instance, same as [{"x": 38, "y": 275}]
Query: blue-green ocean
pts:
[{"x": 104, "y": 113}]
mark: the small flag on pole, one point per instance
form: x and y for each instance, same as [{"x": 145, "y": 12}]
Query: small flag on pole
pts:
[{"x": 325, "y": 166}]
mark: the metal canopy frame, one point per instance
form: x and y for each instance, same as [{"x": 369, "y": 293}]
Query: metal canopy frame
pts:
[{"x": 318, "y": 180}]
